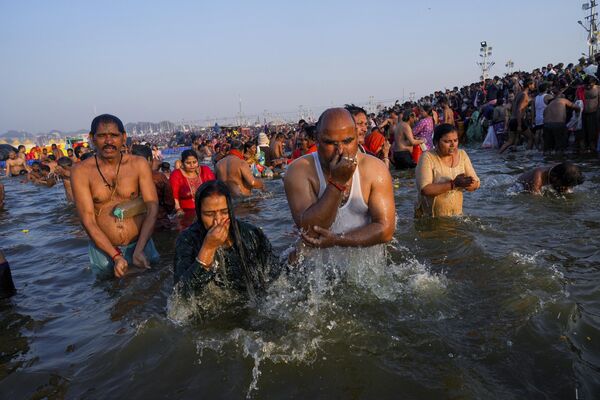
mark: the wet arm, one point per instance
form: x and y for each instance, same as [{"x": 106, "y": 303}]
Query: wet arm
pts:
[
  {"x": 187, "y": 270},
  {"x": 308, "y": 210},
  {"x": 151, "y": 199},
  {"x": 84, "y": 203},
  {"x": 411, "y": 138},
  {"x": 424, "y": 175}
]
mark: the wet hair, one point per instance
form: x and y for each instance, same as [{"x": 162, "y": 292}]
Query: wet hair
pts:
[
  {"x": 77, "y": 151},
  {"x": 85, "y": 156},
  {"x": 164, "y": 166},
  {"x": 36, "y": 163},
  {"x": 65, "y": 162},
  {"x": 407, "y": 114},
  {"x": 45, "y": 168},
  {"x": 21, "y": 147},
  {"x": 355, "y": 110},
  {"x": 310, "y": 132},
  {"x": 188, "y": 153},
  {"x": 106, "y": 119},
  {"x": 442, "y": 130},
  {"x": 218, "y": 188},
  {"x": 565, "y": 174},
  {"x": 249, "y": 145},
  {"x": 142, "y": 151},
  {"x": 52, "y": 157}
]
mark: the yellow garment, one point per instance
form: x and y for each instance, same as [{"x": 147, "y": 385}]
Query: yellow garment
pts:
[{"x": 431, "y": 169}]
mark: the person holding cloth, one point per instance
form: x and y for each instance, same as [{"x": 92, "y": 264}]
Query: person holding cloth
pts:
[{"x": 442, "y": 175}]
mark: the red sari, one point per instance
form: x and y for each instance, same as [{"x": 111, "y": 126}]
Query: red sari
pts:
[{"x": 184, "y": 189}]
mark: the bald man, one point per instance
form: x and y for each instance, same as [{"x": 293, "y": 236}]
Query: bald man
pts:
[{"x": 338, "y": 196}]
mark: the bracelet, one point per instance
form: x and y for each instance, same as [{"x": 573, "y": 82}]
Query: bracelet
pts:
[
  {"x": 203, "y": 264},
  {"x": 117, "y": 254},
  {"x": 341, "y": 188}
]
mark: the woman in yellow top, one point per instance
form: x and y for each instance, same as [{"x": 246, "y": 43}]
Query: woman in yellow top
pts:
[{"x": 442, "y": 176}]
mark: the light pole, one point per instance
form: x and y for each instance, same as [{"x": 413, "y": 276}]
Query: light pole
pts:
[
  {"x": 485, "y": 64},
  {"x": 509, "y": 65},
  {"x": 592, "y": 27}
]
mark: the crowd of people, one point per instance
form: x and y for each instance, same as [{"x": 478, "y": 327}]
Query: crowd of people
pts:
[{"x": 336, "y": 174}]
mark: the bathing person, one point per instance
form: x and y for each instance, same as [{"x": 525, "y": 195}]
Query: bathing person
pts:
[
  {"x": 362, "y": 124},
  {"x": 63, "y": 169},
  {"x": 15, "y": 166},
  {"x": 218, "y": 247},
  {"x": 378, "y": 146},
  {"x": 442, "y": 174},
  {"x": 102, "y": 182},
  {"x": 519, "y": 123},
  {"x": 35, "y": 172},
  {"x": 186, "y": 180},
  {"x": 1, "y": 196},
  {"x": 562, "y": 177},
  {"x": 236, "y": 173},
  {"x": 404, "y": 141},
  {"x": 337, "y": 196},
  {"x": 7, "y": 287},
  {"x": 166, "y": 203}
]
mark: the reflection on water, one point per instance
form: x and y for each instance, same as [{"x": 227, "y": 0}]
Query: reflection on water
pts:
[{"x": 502, "y": 303}]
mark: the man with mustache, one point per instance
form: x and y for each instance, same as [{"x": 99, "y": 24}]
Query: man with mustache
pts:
[
  {"x": 338, "y": 196},
  {"x": 104, "y": 181}
]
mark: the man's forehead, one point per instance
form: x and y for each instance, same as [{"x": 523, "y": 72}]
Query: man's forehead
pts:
[{"x": 107, "y": 127}]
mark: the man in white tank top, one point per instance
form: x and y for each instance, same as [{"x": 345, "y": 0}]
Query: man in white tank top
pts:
[{"x": 337, "y": 196}]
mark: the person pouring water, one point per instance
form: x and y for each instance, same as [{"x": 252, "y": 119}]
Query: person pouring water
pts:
[{"x": 337, "y": 196}]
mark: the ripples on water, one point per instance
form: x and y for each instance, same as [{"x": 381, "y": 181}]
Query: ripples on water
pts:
[{"x": 502, "y": 303}]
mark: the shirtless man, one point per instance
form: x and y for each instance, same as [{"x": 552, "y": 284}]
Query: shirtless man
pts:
[
  {"x": 404, "y": 141},
  {"x": 562, "y": 177},
  {"x": 318, "y": 184},
  {"x": 71, "y": 155},
  {"x": 518, "y": 125},
  {"x": 51, "y": 163},
  {"x": 589, "y": 118},
  {"x": 277, "y": 147},
  {"x": 236, "y": 173},
  {"x": 15, "y": 166},
  {"x": 57, "y": 152},
  {"x": 35, "y": 172},
  {"x": 555, "y": 132},
  {"x": 21, "y": 152},
  {"x": 63, "y": 170},
  {"x": 448, "y": 113},
  {"x": 99, "y": 184}
]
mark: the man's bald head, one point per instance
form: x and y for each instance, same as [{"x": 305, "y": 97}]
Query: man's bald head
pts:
[{"x": 335, "y": 119}]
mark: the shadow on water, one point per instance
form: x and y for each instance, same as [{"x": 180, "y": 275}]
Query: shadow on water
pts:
[{"x": 502, "y": 303}]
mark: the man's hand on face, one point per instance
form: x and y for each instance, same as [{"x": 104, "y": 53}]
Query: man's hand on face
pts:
[{"x": 342, "y": 168}]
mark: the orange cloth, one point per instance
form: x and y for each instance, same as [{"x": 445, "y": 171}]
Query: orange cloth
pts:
[{"x": 373, "y": 142}]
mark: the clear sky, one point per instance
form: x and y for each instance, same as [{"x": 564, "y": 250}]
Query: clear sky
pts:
[{"x": 63, "y": 61}]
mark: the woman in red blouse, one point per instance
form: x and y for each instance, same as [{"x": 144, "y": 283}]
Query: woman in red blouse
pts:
[{"x": 187, "y": 180}]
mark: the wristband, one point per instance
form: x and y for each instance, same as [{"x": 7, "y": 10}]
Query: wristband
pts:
[
  {"x": 341, "y": 188},
  {"x": 117, "y": 254},
  {"x": 203, "y": 264}
]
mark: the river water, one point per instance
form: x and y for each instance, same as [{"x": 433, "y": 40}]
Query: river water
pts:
[{"x": 503, "y": 303}]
